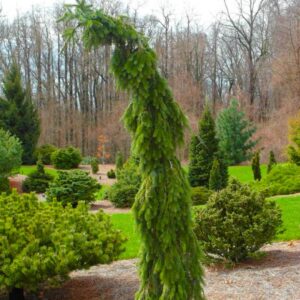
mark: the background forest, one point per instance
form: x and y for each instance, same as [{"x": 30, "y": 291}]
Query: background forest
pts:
[{"x": 251, "y": 54}]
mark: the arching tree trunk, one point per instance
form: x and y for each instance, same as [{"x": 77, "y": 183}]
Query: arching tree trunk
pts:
[{"x": 16, "y": 294}]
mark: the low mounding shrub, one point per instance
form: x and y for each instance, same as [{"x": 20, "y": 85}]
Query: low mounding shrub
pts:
[
  {"x": 66, "y": 158},
  {"x": 200, "y": 195},
  {"x": 236, "y": 222},
  {"x": 283, "y": 179},
  {"x": 43, "y": 242},
  {"x": 69, "y": 187},
  {"x": 44, "y": 153},
  {"x": 122, "y": 193},
  {"x": 111, "y": 174},
  {"x": 95, "y": 165},
  {"x": 38, "y": 181}
]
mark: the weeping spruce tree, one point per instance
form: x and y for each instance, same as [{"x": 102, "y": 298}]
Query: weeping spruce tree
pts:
[{"x": 169, "y": 268}]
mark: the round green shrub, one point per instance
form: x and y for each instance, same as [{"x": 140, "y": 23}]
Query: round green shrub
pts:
[
  {"x": 43, "y": 242},
  {"x": 237, "y": 222},
  {"x": 69, "y": 187},
  {"x": 95, "y": 165},
  {"x": 122, "y": 195},
  {"x": 37, "y": 181},
  {"x": 200, "y": 195},
  {"x": 66, "y": 158},
  {"x": 44, "y": 153},
  {"x": 111, "y": 174}
]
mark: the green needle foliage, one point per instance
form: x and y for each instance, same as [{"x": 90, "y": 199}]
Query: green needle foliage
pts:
[
  {"x": 170, "y": 255},
  {"x": 272, "y": 161},
  {"x": 204, "y": 147},
  {"x": 256, "y": 166},
  {"x": 235, "y": 134},
  {"x": 215, "y": 178},
  {"x": 18, "y": 114},
  {"x": 42, "y": 243}
]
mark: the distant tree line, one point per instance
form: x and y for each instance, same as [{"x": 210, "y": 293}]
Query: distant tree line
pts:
[{"x": 251, "y": 54}]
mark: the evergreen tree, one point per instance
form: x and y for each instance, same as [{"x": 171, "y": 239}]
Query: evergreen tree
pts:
[
  {"x": 18, "y": 114},
  {"x": 119, "y": 161},
  {"x": 256, "y": 166},
  {"x": 272, "y": 161},
  {"x": 203, "y": 149},
  {"x": 170, "y": 266},
  {"x": 215, "y": 177},
  {"x": 235, "y": 134}
]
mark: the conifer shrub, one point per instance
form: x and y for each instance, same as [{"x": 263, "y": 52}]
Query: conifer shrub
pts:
[
  {"x": 66, "y": 158},
  {"x": 237, "y": 222},
  {"x": 41, "y": 243},
  {"x": 111, "y": 174},
  {"x": 283, "y": 179},
  {"x": 215, "y": 178},
  {"x": 38, "y": 181},
  {"x": 70, "y": 187},
  {"x": 200, "y": 195},
  {"x": 255, "y": 164},
  {"x": 119, "y": 161},
  {"x": 123, "y": 192},
  {"x": 44, "y": 153},
  {"x": 294, "y": 139},
  {"x": 272, "y": 161},
  {"x": 122, "y": 195},
  {"x": 95, "y": 165}
]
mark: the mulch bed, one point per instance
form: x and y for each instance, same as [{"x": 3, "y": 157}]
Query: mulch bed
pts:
[{"x": 276, "y": 277}]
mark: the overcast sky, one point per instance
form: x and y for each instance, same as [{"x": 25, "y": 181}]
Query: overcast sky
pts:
[{"x": 204, "y": 10}]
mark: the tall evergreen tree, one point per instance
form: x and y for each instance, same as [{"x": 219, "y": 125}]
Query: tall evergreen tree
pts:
[
  {"x": 235, "y": 134},
  {"x": 256, "y": 166},
  {"x": 272, "y": 161},
  {"x": 203, "y": 149},
  {"x": 18, "y": 114},
  {"x": 215, "y": 177}
]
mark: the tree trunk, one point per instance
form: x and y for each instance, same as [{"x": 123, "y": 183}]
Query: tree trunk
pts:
[{"x": 16, "y": 294}]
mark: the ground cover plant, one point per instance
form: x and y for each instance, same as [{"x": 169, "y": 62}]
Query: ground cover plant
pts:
[
  {"x": 156, "y": 124},
  {"x": 70, "y": 187},
  {"x": 42, "y": 242}
]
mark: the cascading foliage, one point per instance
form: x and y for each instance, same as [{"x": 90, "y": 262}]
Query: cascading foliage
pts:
[{"x": 170, "y": 255}]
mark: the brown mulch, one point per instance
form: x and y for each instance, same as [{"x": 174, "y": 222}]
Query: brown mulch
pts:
[
  {"x": 108, "y": 207},
  {"x": 101, "y": 176},
  {"x": 276, "y": 277}
]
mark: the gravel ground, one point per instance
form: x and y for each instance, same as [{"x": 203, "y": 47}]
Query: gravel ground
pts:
[{"x": 276, "y": 277}]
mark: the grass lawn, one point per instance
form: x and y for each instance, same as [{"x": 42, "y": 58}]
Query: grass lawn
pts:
[
  {"x": 125, "y": 223},
  {"x": 100, "y": 195},
  {"x": 290, "y": 207},
  {"x": 290, "y": 215},
  {"x": 244, "y": 173},
  {"x": 26, "y": 170}
]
